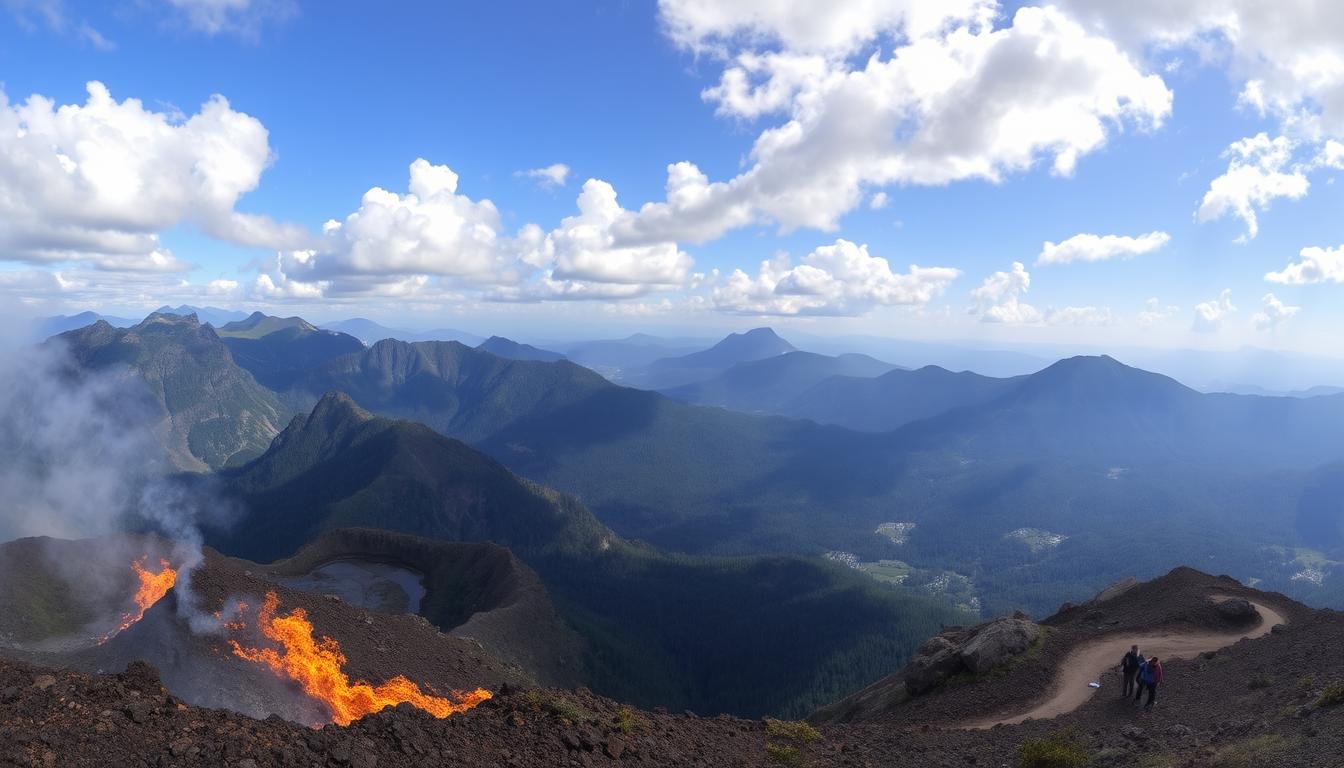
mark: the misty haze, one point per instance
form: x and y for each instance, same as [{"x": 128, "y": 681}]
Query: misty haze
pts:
[{"x": 678, "y": 383}]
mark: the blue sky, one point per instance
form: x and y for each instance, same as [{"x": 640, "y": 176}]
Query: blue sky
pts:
[{"x": 343, "y": 97}]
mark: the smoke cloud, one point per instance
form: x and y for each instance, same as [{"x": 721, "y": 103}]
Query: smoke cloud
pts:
[{"x": 82, "y": 460}]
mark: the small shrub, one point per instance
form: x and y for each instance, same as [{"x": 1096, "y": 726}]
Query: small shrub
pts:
[
  {"x": 784, "y": 754},
  {"x": 1258, "y": 682},
  {"x": 1065, "y": 749},
  {"x": 1254, "y": 753},
  {"x": 628, "y": 721},
  {"x": 568, "y": 710},
  {"x": 1333, "y": 695},
  {"x": 796, "y": 731},
  {"x": 534, "y": 700},
  {"x": 1306, "y": 683}
]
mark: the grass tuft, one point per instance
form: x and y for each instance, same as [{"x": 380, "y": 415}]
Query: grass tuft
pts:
[
  {"x": 1333, "y": 695},
  {"x": 784, "y": 754},
  {"x": 796, "y": 731},
  {"x": 1065, "y": 749},
  {"x": 1261, "y": 750}
]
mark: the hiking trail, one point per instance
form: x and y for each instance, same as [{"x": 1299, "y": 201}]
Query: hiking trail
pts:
[{"x": 1090, "y": 660}]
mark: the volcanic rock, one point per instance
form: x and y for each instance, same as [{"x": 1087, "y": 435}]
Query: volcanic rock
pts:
[
  {"x": 997, "y": 642},
  {"x": 1237, "y": 610}
]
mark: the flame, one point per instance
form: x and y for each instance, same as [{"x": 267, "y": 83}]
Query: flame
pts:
[
  {"x": 153, "y": 586},
  {"x": 318, "y": 666}
]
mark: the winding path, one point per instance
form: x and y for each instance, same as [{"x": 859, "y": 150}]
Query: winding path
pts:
[{"x": 1089, "y": 661}]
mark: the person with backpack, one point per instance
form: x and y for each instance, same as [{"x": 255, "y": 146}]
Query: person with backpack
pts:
[
  {"x": 1150, "y": 676},
  {"x": 1129, "y": 670}
]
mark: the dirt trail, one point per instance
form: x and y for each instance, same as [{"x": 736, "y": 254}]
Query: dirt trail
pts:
[{"x": 1089, "y": 661}]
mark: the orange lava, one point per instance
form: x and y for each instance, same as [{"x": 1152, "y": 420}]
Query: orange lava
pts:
[
  {"x": 318, "y": 666},
  {"x": 153, "y": 586}
]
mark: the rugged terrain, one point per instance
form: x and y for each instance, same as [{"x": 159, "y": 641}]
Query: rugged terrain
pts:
[{"x": 1259, "y": 702}]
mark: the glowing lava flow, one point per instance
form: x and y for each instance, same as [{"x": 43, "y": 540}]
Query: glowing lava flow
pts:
[
  {"x": 317, "y": 666},
  {"x": 153, "y": 586}
]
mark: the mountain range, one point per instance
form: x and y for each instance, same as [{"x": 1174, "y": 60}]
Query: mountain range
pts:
[
  {"x": 695, "y": 632},
  {"x": 1065, "y": 455}
]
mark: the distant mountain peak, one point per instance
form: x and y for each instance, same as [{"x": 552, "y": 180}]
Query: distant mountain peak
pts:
[
  {"x": 513, "y": 350},
  {"x": 260, "y": 324},
  {"x": 337, "y": 407},
  {"x": 189, "y": 320}
]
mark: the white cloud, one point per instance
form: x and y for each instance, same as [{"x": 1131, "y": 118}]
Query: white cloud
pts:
[
  {"x": 878, "y": 201},
  {"x": 100, "y": 180},
  {"x": 1286, "y": 55},
  {"x": 553, "y": 175},
  {"x": 838, "y": 279},
  {"x": 999, "y": 298},
  {"x": 244, "y": 18},
  {"x": 430, "y": 230},
  {"x": 1272, "y": 314},
  {"x": 585, "y": 246},
  {"x": 1209, "y": 315},
  {"x": 1085, "y": 247},
  {"x": 1314, "y": 265},
  {"x": 433, "y": 239},
  {"x": 1287, "y": 59},
  {"x": 1258, "y": 172},
  {"x": 956, "y": 99},
  {"x": 835, "y": 29},
  {"x": 1154, "y": 312}
]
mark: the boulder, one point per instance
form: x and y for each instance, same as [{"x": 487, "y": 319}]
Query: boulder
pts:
[
  {"x": 997, "y": 642},
  {"x": 1115, "y": 590},
  {"x": 924, "y": 672},
  {"x": 1237, "y": 610}
]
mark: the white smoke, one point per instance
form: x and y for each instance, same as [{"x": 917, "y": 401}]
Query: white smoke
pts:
[{"x": 81, "y": 460}]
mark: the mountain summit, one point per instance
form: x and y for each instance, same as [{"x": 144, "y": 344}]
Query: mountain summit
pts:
[
  {"x": 211, "y": 412},
  {"x": 756, "y": 344}
]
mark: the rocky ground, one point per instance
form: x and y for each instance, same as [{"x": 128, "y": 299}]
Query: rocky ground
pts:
[{"x": 1255, "y": 703}]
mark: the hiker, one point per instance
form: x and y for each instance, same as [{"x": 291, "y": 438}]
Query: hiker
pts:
[
  {"x": 1129, "y": 670},
  {"x": 1150, "y": 676}
]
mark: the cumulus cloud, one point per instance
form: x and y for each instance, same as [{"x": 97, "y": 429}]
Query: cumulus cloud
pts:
[
  {"x": 430, "y": 230},
  {"x": 585, "y": 247},
  {"x": 1085, "y": 247},
  {"x": 1154, "y": 312},
  {"x": 1286, "y": 55},
  {"x": 553, "y": 175},
  {"x": 1258, "y": 172},
  {"x": 802, "y": 25},
  {"x": 1314, "y": 265},
  {"x": 1209, "y": 315},
  {"x": 1272, "y": 314},
  {"x": 433, "y": 239},
  {"x": 100, "y": 180},
  {"x": 837, "y": 279},
  {"x": 948, "y": 104},
  {"x": 999, "y": 298}
]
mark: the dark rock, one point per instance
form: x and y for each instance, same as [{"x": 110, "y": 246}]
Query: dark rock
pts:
[
  {"x": 924, "y": 673},
  {"x": 614, "y": 747},
  {"x": 1237, "y": 610},
  {"x": 1115, "y": 590}
]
